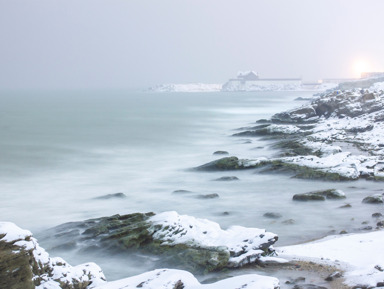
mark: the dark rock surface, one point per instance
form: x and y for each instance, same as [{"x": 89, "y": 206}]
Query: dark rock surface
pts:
[
  {"x": 120, "y": 234},
  {"x": 308, "y": 286},
  {"x": 209, "y": 196},
  {"x": 112, "y": 196},
  {"x": 227, "y": 178},
  {"x": 221, "y": 153},
  {"x": 374, "y": 199},
  {"x": 320, "y": 195},
  {"x": 227, "y": 163},
  {"x": 272, "y": 215}
]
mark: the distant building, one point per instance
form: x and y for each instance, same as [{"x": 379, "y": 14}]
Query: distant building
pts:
[
  {"x": 372, "y": 74},
  {"x": 247, "y": 76},
  {"x": 250, "y": 81}
]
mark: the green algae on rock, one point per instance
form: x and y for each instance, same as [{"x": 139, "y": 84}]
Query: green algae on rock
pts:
[
  {"x": 184, "y": 241},
  {"x": 24, "y": 264}
]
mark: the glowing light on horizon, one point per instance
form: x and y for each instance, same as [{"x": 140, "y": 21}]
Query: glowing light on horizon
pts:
[{"x": 360, "y": 66}]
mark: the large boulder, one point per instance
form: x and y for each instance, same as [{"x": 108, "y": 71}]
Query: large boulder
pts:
[
  {"x": 24, "y": 264},
  {"x": 320, "y": 195},
  {"x": 373, "y": 199},
  {"x": 232, "y": 163},
  {"x": 187, "y": 242}
]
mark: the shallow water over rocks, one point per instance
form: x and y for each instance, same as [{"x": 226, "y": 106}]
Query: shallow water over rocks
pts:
[{"x": 63, "y": 151}]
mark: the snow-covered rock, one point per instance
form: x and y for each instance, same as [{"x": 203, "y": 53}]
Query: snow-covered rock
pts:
[
  {"x": 26, "y": 265},
  {"x": 177, "y": 279},
  {"x": 193, "y": 244},
  {"x": 338, "y": 136},
  {"x": 244, "y": 245}
]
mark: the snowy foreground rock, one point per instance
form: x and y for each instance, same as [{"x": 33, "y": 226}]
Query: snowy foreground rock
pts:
[
  {"x": 360, "y": 256},
  {"x": 338, "y": 136},
  {"x": 177, "y": 279},
  {"x": 24, "y": 264},
  {"x": 184, "y": 241}
]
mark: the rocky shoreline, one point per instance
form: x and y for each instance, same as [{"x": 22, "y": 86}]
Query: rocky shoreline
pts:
[{"x": 337, "y": 136}]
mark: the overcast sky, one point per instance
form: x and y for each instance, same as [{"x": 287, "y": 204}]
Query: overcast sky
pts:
[{"x": 140, "y": 43}]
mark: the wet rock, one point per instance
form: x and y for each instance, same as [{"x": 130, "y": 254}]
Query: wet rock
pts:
[
  {"x": 377, "y": 215},
  {"x": 181, "y": 192},
  {"x": 180, "y": 240},
  {"x": 334, "y": 276},
  {"x": 208, "y": 196},
  {"x": 379, "y": 268},
  {"x": 343, "y": 232},
  {"x": 380, "y": 224},
  {"x": 300, "y": 98},
  {"x": 221, "y": 153},
  {"x": 308, "y": 197},
  {"x": 230, "y": 163},
  {"x": 272, "y": 215},
  {"x": 112, "y": 196},
  {"x": 289, "y": 222},
  {"x": 345, "y": 206},
  {"x": 294, "y": 148},
  {"x": 178, "y": 285},
  {"x": 362, "y": 286},
  {"x": 380, "y": 284},
  {"x": 227, "y": 178},
  {"x": 374, "y": 199},
  {"x": 320, "y": 195},
  {"x": 227, "y": 163},
  {"x": 334, "y": 194},
  {"x": 302, "y": 172},
  {"x": 260, "y": 130},
  {"x": 297, "y": 115},
  {"x": 366, "y": 228},
  {"x": 356, "y": 130},
  {"x": 308, "y": 286},
  {"x": 294, "y": 281}
]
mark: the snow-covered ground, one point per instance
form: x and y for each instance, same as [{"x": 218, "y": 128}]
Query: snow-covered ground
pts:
[{"x": 360, "y": 256}]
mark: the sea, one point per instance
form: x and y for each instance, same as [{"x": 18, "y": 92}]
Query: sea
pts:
[{"x": 62, "y": 150}]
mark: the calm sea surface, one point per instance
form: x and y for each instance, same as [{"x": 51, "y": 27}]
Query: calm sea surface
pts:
[{"x": 61, "y": 150}]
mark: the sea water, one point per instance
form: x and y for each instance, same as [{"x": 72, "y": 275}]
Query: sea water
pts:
[{"x": 60, "y": 151}]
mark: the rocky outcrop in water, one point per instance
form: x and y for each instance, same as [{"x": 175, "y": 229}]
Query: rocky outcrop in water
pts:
[
  {"x": 374, "y": 199},
  {"x": 187, "y": 242},
  {"x": 230, "y": 163},
  {"x": 338, "y": 136},
  {"x": 25, "y": 265},
  {"x": 320, "y": 195}
]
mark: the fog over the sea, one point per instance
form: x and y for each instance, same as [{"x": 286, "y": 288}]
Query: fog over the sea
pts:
[{"x": 71, "y": 44}]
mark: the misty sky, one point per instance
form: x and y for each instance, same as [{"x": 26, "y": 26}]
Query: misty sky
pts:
[{"x": 107, "y": 44}]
